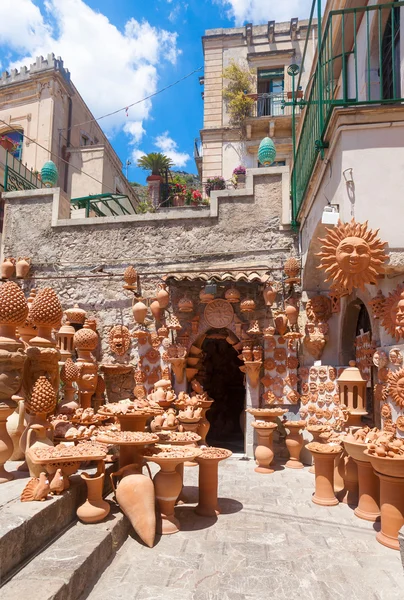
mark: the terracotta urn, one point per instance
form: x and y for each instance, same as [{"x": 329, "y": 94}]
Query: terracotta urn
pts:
[
  {"x": 163, "y": 297},
  {"x": 156, "y": 310},
  {"x": 292, "y": 314},
  {"x": 349, "y": 473},
  {"x": 136, "y": 498},
  {"x": 16, "y": 424},
  {"x": 95, "y": 508},
  {"x": 22, "y": 267},
  {"x": 324, "y": 457},
  {"x": 36, "y": 439},
  {"x": 369, "y": 488},
  {"x": 208, "y": 462},
  {"x": 294, "y": 443},
  {"x": 7, "y": 267},
  {"x": 7, "y": 408},
  {"x": 264, "y": 454},
  {"x": 390, "y": 472},
  {"x": 269, "y": 294},
  {"x": 139, "y": 312}
]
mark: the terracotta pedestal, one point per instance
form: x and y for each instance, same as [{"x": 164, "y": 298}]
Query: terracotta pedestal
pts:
[
  {"x": 294, "y": 443},
  {"x": 317, "y": 439},
  {"x": 324, "y": 465},
  {"x": 268, "y": 416},
  {"x": 369, "y": 488},
  {"x": 349, "y": 473},
  {"x": 95, "y": 508},
  {"x": 208, "y": 484},
  {"x": 264, "y": 454},
  {"x": 7, "y": 408},
  {"x": 194, "y": 428},
  {"x": 390, "y": 472}
]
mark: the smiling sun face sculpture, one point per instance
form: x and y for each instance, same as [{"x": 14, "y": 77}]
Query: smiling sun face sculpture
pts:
[
  {"x": 396, "y": 387},
  {"x": 352, "y": 255}
]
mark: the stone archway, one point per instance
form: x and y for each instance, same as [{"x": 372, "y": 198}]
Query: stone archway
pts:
[{"x": 219, "y": 372}]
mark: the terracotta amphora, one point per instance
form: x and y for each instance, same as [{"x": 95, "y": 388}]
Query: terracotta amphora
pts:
[
  {"x": 22, "y": 266},
  {"x": 41, "y": 441},
  {"x": 163, "y": 297},
  {"x": 8, "y": 267},
  {"x": 294, "y": 443},
  {"x": 136, "y": 498},
  {"x": 16, "y": 424},
  {"x": 269, "y": 294},
  {"x": 95, "y": 508},
  {"x": 6, "y": 444}
]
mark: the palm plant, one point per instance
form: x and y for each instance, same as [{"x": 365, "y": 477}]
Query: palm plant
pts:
[{"x": 156, "y": 162}]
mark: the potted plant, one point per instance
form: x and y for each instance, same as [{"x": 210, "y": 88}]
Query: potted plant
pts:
[
  {"x": 196, "y": 197},
  {"x": 214, "y": 183},
  {"x": 239, "y": 175}
]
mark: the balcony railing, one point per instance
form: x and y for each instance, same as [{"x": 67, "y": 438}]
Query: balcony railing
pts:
[
  {"x": 16, "y": 176},
  {"x": 270, "y": 105},
  {"x": 197, "y": 148},
  {"x": 358, "y": 64}
]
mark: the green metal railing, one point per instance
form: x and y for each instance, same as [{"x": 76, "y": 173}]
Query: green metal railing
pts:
[
  {"x": 112, "y": 202},
  {"x": 358, "y": 64},
  {"x": 17, "y": 177}
]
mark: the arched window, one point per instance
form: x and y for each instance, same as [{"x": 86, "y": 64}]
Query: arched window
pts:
[
  {"x": 12, "y": 141},
  {"x": 390, "y": 70}
]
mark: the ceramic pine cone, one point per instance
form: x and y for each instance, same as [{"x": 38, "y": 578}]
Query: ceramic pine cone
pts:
[
  {"x": 43, "y": 397},
  {"x": 13, "y": 305},
  {"x": 85, "y": 339},
  {"x": 130, "y": 275},
  {"x": 46, "y": 308},
  {"x": 291, "y": 267},
  {"x": 69, "y": 371}
]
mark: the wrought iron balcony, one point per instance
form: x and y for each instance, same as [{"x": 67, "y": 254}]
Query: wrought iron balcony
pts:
[
  {"x": 16, "y": 176},
  {"x": 358, "y": 64},
  {"x": 271, "y": 105}
]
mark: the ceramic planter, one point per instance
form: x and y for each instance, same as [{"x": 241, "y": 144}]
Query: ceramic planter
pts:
[
  {"x": 349, "y": 473},
  {"x": 294, "y": 443},
  {"x": 324, "y": 465},
  {"x": 95, "y": 508},
  {"x": 264, "y": 454},
  {"x": 208, "y": 480},
  {"x": 369, "y": 488},
  {"x": 390, "y": 472}
]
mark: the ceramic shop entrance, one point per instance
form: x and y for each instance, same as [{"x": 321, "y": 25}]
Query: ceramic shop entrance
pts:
[{"x": 224, "y": 382}]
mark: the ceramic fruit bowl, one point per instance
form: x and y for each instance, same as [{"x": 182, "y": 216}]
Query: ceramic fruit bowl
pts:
[
  {"x": 392, "y": 467},
  {"x": 356, "y": 450}
]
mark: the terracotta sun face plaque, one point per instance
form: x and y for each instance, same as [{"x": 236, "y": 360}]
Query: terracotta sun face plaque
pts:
[
  {"x": 393, "y": 313},
  {"x": 352, "y": 255},
  {"x": 396, "y": 387},
  {"x": 219, "y": 313},
  {"x": 119, "y": 339}
]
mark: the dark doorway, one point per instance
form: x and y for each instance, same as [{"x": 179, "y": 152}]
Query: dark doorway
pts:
[{"x": 224, "y": 382}]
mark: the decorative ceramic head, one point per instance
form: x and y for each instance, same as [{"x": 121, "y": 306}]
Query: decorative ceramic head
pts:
[
  {"x": 318, "y": 308},
  {"x": 119, "y": 339},
  {"x": 87, "y": 377},
  {"x": 352, "y": 255},
  {"x": 11, "y": 370}
]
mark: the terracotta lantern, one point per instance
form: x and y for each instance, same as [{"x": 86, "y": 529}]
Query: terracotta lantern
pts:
[
  {"x": 65, "y": 341},
  {"x": 352, "y": 388},
  {"x": 76, "y": 315}
]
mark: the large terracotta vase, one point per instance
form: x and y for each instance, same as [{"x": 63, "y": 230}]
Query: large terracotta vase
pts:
[
  {"x": 95, "y": 508},
  {"x": 369, "y": 488},
  {"x": 390, "y": 471},
  {"x": 264, "y": 454},
  {"x": 349, "y": 473},
  {"x": 6, "y": 443},
  {"x": 136, "y": 498},
  {"x": 208, "y": 481},
  {"x": 324, "y": 465},
  {"x": 204, "y": 425},
  {"x": 294, "y": 443}
]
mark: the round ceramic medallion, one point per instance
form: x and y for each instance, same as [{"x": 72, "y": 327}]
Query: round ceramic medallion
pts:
[
  {"x": 400, "y": 423},
  {"x": 219, "y": 313}
]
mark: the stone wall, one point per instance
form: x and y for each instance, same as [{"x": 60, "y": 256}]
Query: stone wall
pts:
[{"x": 84, "y": 259}]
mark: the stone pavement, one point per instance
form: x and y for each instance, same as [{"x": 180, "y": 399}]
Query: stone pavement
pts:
[{"x": 270, "y": 541}]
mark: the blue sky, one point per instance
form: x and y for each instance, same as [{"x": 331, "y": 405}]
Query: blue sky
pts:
[{"x": 122, "y": 50}]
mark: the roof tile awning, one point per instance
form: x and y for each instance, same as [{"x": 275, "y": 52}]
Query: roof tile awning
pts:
[{"x": 245, "y": 276}]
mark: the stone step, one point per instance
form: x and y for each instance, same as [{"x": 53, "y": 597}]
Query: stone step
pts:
[
  {"x": 65, "y": 568},
  {"x": 25, "y": 527}
]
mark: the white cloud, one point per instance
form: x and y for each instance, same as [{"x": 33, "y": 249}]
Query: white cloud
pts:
[
  {"x": 109, "y": 67},
  {"x": 262, "y": 11},
  {"x": 168, "y": 146},
  {"x": 178, "y": 9}
]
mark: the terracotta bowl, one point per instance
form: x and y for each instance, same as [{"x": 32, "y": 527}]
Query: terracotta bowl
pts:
[
  {"x": 356, "y": 450},
  {"x": 393, "y": 467}
]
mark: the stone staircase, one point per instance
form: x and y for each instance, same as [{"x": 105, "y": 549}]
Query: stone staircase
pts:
[{"x": 45, "y": 552}]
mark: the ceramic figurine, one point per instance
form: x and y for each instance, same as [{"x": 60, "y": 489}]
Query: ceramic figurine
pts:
[{"x": 37, "y": 489}]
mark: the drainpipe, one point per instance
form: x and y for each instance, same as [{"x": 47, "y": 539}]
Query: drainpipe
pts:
[{"x": 69, "y": 124}]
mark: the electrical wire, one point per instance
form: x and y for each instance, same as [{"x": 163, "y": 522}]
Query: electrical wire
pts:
[
  {"x": 125, "y": 108},
  {"x": 57, "y": 156}
]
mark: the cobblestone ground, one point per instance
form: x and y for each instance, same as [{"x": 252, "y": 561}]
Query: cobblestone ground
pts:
[{"x": 270, "y": 541}]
